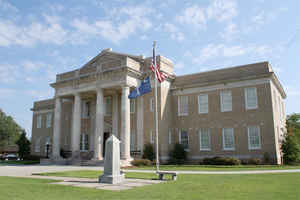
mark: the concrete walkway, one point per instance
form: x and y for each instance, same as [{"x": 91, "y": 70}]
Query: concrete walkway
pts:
[{"x": 28, "y": 170}]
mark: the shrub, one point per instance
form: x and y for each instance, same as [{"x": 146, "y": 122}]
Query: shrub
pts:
[
  {"x": 290, "y": 149},
  {"x": 177, "y": 155},
  {"x": 221, "y": 161},
  {"x": 32, "y": 157},
  {"x": 148, "y": 152},
  {"x": 254, "y": 161},
  {"x": 267, "y": 158},
  {"x": 141, "y": 162}
]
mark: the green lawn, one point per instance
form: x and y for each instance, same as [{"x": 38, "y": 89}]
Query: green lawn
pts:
[
  {"x": 231, "y": 187},
  {"x": 218, "y": 167}
]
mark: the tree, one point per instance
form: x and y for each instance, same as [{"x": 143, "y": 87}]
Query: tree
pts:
[
  {"x": 149, "y": 152},
  {"x": 9, "y": 130},
  {"x": 291, "y": 144},
  {"x": 24, "y": 145}
]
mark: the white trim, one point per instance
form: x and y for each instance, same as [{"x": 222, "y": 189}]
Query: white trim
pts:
[
  {"x": 246, "y": 99},
  {"x": 36, "y": 112},
  {"x": 209, "y": 140},
  {"x": 228, "y": 149},
  {"x": 199, "y": 89},
  {"x": 249, "y": 146}
]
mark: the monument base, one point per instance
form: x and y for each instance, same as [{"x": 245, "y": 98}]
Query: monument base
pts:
[{"x": 112, "y": 179}]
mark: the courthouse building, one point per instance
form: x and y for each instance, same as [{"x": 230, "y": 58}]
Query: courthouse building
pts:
[{"x": 237, "y": 111}]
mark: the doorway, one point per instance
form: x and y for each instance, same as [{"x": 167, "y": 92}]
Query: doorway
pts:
[{"x": 105, "y": 137}]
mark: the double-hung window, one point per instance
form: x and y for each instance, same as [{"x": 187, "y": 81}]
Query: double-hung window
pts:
[
  {"x": 151, "y": 104},
  {"x": 226, "y": 101},
  {"x": 184, "y": 138},
  {"x": 183, "y": 105},
  {"x": 132, "y": 105},
  {"x": 86, "y": 109},
  {"x": 132, "y": 141},
  {"x": 84, "y": 142},
  {"x": 37, "y": 147},
  {"x": 203, "y": 103},
  {"x": 48, "y": 120},
  {"x": 108, "y": 106},
  {"x": 254, "y": 137},
  {"x": 250, "y": 98},
  {"x": 228, "y": 139},
  {"x": 204, "y": 136},
  {"x": 151, "y": 137},
  {"x": 39, "y": 121}
]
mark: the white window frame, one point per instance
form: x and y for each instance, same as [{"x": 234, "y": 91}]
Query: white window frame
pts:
[
  {"x": 151, "y": 106},
  {"x": 201, "y": 131},
  {"x": 223, "y": 134},
  {"x": 222, "y": 93},
  {"x": 204, "y": 109},
  {"x": 48, "y": 120},
  {"x": 170, "y": 137},
  {"x": 188, "y": 139},
  {"x": 183, "y": 112},
  {"x": 259, "y": 138},
  {"x": 37, "y": 146},
  {"x": 39, "y": 121},
  {"x": 106, "y": 106},
  {"x": 246, "y": 99},
  {"x": 132, "y": 106}
]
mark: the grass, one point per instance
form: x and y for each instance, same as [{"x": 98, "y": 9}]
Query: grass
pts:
[
  {"x": 217, "y": 167},
  {"x": 260, "y": 186},
  {"x": 20, "y": 162},
  {"x": 96, "y": 174}
]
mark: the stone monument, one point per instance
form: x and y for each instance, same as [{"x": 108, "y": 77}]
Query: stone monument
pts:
[{"x": 112, "y": 173}]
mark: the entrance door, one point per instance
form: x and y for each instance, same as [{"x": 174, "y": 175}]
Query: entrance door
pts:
[{"x": 105, "y": 137}]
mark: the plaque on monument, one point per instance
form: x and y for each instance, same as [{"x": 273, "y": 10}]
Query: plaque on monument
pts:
[{"x": 112, "y": 173}]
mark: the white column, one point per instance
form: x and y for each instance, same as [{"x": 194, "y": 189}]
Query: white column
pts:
[
  {"x": 140, "y": 123},
  {"x": 76, "y": 124},
  {"x": 125, "y": 127},
  {"x": 57, "y": 129},
  {"x": 115, "y": 115},
  {"x": 99, "y": 125}
]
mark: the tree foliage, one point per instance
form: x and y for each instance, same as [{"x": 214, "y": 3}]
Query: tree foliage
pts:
[
  {"x": 9, "y": 130},
  {"x": 24, "y": 145},
  {"x": 291, "y": 144}
]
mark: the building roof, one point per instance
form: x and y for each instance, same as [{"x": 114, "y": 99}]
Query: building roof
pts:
[
  {"x": 237, "y": 73},
  {"x": 43, "y": 105}
]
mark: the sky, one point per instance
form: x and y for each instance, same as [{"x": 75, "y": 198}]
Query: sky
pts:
[{"x": 39, "y": 39}]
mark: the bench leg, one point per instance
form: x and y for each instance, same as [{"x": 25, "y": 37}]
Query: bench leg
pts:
[{"x": 161, "y": 176}]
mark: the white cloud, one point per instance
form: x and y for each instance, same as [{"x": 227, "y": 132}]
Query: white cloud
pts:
[
  {"x": 124, "y": 23},
  {"x": 49, "y": 31},
  {"x": 6, "y": 93},
  {"x": 6, "y": 6},
  {"x": 219, "y": 10},
  {"x": 194, "y": 15},
  {"x": 32, "y": 66},
  {"x": 8, "y": 73},
  {"x": 230, "y": 32},
  {"x": 173, "y": 30},
  {"x": 179, "y": 65},
  {"x": 222, "y": 10},
  {"x": 213, "y": 51}
]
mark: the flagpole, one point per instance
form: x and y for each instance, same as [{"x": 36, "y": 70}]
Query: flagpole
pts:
[{"x": 156, "y": 115}]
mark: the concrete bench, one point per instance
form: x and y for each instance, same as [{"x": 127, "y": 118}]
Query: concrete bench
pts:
[{"x": 162, "y": 173}]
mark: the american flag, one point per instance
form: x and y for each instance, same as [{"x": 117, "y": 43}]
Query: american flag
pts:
[{"x": 158, "y": 74}]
